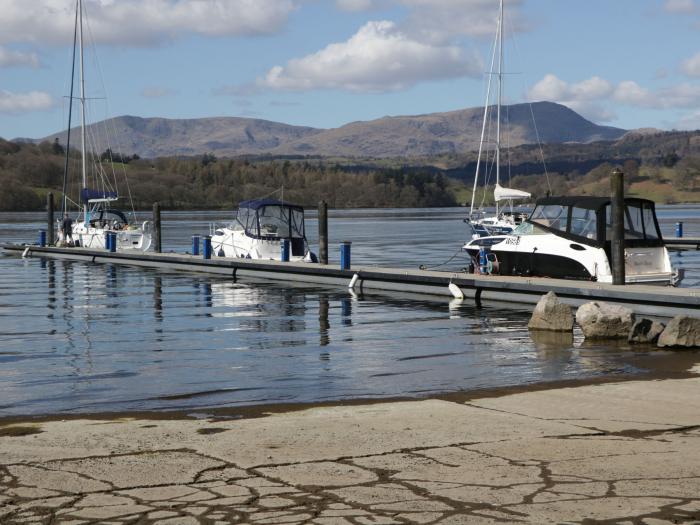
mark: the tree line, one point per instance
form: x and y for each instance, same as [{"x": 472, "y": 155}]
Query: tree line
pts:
[{"x": 28, "y": 172}]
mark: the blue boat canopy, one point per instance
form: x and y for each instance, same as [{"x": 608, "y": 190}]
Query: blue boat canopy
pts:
[
  {"x": 255, "y": 204},
  {"x": 89, "y": 195}
]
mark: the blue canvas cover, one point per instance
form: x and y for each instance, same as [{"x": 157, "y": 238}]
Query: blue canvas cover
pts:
[{"x": 87, "y": 194}]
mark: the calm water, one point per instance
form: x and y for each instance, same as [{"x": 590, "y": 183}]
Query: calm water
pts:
[{"x": 90, "y": 338}]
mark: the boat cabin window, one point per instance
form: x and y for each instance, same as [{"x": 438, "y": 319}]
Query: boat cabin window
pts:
[
  {"x": 247, "y": 218},
  {"x": 553, "y": 216},
  {"x": 274, "y": 221},
  {"x": 640, "y": 222},
  {"x": 297, "y": 223},
  {"x": 584, "y": 222}
]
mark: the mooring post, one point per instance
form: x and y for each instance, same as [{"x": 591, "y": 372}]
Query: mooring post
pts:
[
  {"x": 206, "y": 247},
  {"x": 323, "y": 232},
  {"x": 345, "y": 255},
  {"x": 50, "y": 227},
  {"x": 617, "y": 245},
  {"x": 156, "y": 228}
]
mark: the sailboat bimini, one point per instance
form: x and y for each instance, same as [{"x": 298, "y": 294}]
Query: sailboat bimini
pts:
[{"x": 97, "y": 216}]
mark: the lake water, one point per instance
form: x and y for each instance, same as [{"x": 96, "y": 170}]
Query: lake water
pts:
[{"x": 92, "y": 338}]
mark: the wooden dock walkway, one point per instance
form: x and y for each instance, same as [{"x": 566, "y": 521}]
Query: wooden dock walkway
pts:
[{"x": 652, "y": 300}]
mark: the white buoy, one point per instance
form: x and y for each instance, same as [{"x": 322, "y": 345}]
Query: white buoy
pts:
[
  {"x": 25, "y": 252},
  {"x": 456, "y": 291},
  {"x": 353, "y": 281}
]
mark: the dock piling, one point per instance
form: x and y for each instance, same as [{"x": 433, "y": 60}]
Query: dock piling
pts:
[
  {"x": 323, "y": 232},
  {"x": 195, "y": 245},
  {"x": 156, "y": 228},
  {"x": 50, "y": 226},
  {"x": 617, "y": 196},
  {"x": 206, "y": 247}
]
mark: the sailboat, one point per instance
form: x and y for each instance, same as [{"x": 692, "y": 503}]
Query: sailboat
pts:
[
  {"x": 504, "y": 220},
  {"x": 97, "y": 216}
]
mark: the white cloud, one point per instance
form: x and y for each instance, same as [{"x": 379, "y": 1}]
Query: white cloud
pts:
[
  {"x": 554, "y": 89},
  {"x": 24, "y": 102},
  {"x": 691, "y": 66},
  {"x": 10, "y": 58},
  {"x": 140, "y": 22},
  {"x": 379, "y": 57},
  {"x": 590, "y": 96},
  {"x": 630, "y": 93},
  {"x": 679, "y": 6},
  {"x": 442, "y": 20},
  {"x": 354, "y": 5}
]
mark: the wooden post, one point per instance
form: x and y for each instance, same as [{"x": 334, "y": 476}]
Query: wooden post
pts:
[
  {"x": 323, "y": 232},
  {"x": 617, "y": 245},
  {"x": 50, "y": 227},
  {"x": 156, "y": 228}
]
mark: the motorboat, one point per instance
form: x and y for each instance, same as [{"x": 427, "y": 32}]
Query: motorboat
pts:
[
  {"x": 97, "y": 215},
  {"x": 570, "y": 238},
  {"x": 258, "y": 230}
]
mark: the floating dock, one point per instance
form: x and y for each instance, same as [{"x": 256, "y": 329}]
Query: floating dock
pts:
[
  {"x": 682, "y": 243},
  {"x": 652, "y": 300}
]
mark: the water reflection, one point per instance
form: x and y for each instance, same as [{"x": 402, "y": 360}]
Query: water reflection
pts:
[
  {"x": 323, "y": 324},
  {"x": 101, "y": 337}
]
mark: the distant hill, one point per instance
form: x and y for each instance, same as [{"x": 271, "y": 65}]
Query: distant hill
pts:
[{"x": 403, "y": 136}]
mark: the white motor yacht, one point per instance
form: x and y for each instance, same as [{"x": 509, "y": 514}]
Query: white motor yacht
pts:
[
  {"x": 570, "y": 238},
  {"x": 258, "y": 230}
]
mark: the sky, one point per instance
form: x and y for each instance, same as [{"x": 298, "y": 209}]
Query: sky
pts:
[{"x": 324, "y": 63}]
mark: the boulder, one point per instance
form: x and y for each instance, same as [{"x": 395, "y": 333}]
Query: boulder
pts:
[
  {"x": 681, "y": 331},
  {"x": 604, "y": 320},
  {"x": 645, "y": 331},
  {"x": 550, "y": 314}
]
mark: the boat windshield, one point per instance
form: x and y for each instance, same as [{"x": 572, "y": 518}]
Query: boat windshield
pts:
[
  {"x": 275, "y": 221},
  {"x": 528, "y": 228},
  {"x": 553, "y": 216}
]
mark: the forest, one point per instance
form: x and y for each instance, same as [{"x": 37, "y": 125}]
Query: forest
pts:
[
  {"x": 28, "y": 172},
  {"x": 663, "y": 167}
]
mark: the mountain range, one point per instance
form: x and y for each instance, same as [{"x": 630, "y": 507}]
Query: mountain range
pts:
[{"x": 398, "y": 136}]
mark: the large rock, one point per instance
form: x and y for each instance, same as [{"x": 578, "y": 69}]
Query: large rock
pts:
[
  {"x": 550, "y": 314},
  {"x": 604, "y": 320},
  {"x": 645, "y": 331},
  {"x": 682, "y": 331}
]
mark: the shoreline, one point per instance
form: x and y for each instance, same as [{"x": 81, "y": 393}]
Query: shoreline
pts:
[{"x": 668, "y": 364}]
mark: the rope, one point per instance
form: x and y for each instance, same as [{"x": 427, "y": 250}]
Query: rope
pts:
[{"x": 424, "y": 267}]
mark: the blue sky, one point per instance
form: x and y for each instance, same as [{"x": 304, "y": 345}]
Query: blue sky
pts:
[{"x": 324, "y": 63}]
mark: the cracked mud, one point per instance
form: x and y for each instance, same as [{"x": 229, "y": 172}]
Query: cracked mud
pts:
[{"x": 624, "y": 453}]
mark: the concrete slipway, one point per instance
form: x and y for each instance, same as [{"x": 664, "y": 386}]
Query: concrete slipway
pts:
[{"x": 651, "y": 300}]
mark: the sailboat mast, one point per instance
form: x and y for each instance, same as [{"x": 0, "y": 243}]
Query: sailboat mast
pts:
[
  {"x": 500, "y": 91},
  {"x": 82, "y": 103},
  {"x": 483, "y": 124}
]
